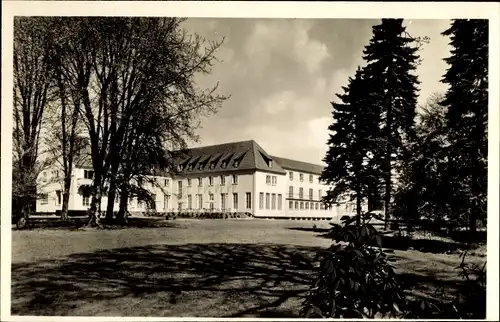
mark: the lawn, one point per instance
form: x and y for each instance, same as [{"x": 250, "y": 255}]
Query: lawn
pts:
[{"x": 220, "y": 268}]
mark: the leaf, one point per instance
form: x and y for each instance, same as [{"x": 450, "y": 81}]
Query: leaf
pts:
[
  {"x": 378, "y": 239},
  {"x": 317, "y": 310}
]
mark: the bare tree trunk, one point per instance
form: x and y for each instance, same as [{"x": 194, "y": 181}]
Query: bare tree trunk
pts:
[
  {"x": 122, "y": 212},
  {"x": 65, "y": 198},
  {"x": 111, "y": 202},
  {"x": 95, "y": 201}
]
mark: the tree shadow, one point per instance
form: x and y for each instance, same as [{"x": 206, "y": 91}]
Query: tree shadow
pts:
[
  {"x": 240, "y": 279},
  {"x": 404, "y": 242}
]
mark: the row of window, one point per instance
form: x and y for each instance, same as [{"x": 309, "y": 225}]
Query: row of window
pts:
[
  {"x": 271, "y": 180},
  {"x": 301, "y": 177},
  {"x": 291, "y": 194},
  {"x": 224, "y": 204},
  {"x": 211, "y": 181},
  {"x": 212, "y": 164},
  {"x": 306, "y": 205},
  {"x": 270, "y": 201}
]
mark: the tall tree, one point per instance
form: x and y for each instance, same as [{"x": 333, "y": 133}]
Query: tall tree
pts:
[
  {"x": 65, "y": 136},
  {"x": 425, "y": 185},
  {"x": 467, "y": 103},
  {"x": 33, "y": 91},
  {"x": 392, "y": 58},
  {"x": 350, "y": 143},
  {"x": 125, "y": 68}
]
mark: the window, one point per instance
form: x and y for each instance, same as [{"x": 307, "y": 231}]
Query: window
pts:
[
  {"x": 190, "y": 202},
  {"x": 224, "y": 164},
  {"x": 317, "y": 206},
  {"x": 273, "y": 201},
  {"x": 320, "y": 194},
  {"x": 307, "y": 205},
  {"x": 58, "y": 193},
  {"x": 310, "y": 194},
  {"x": 179, "y": 206},
  {"x": 301, "y": 177},
  {"x": 165, "y": 201},
  {"x": 236, "y": 163},
  {"x": 199, "y": 198},
  {"x": 235, "y": 200},
  {"x": 296, "y": 205},
  {"x": 87, "y": 174},
  {"x": 211, "y": 196},
  {"x": 311, "y": 178},
  {"x": 290, "y": 205},
  {"x": 235, "y": 179},
  {"x": 301, "y": 193},
  {"x": 189, "y": 182},
  {"x": 86, "y": 200},
  {"x": 210, "y": 181},
  {"x": 44, "y": 199},
  {"x": 200, "y": 181},
  {"x": 261, "y": 200},
  {"x": 301, "y": 205},
  {"x": 249, "y": 200},
  {"x": 290, "y": 174},
  {"x": 223, "y": 200},
  {"x": 268, "y": 197},
  {"x": 166, "y": 183},
  {"x": 212, "y": 165},
  {"x": 179, "y": 189},
  {"x": 268, "y": 179},
  {"x": 280, "y": 201},
  {"x": 222, "y": 180},
  {"x": 290, "y": 192},
  {"x": 274, "y": 180},
  {"x": 212, "y": 206}
]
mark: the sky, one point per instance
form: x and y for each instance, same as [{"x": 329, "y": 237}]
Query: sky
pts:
[{"x": 282, "y": 74}]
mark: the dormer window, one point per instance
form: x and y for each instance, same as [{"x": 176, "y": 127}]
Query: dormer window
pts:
[
  {"x": 212, "y": 165},
  {"x": 236, "y": 163},
  {"x": 200, "y": 167},
  {"x": 224, "y": 164},
  {"x": 270, "y": 163},
  {"x": 190, "y": 167}
]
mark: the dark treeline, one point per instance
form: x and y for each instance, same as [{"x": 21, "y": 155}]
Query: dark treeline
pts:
[{"x": 430, "y": 164}]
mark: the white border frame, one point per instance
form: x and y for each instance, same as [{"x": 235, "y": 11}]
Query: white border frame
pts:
[{"x": 261, "y": 9}]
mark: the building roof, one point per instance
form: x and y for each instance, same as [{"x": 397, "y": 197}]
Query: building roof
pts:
[
  {"x": 235, "y": 156},
  {"x": 300, "y": 166}
]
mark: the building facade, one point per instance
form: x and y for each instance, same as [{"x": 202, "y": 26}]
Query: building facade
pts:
[{"x": 232, "y": 177}]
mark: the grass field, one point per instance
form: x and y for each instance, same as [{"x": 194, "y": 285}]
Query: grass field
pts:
[{"x": 221, "y": 268}]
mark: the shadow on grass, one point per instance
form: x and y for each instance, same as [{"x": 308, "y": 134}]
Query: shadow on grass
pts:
[
  {"x": 220, "y": 280},
  {"x": 77, "y": 223},
  {"x": 404, "y": 242},
  {"x": 239, "y": 279}
]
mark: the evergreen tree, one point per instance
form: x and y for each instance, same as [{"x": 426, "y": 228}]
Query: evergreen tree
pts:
[
  {"x": 467, "y": 102},
  {"x": 349, "y": 144},
  {"x": 392, "y": 58}
]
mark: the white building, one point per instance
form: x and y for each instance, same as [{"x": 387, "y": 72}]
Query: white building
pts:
[{"x": 232, "y": 177}]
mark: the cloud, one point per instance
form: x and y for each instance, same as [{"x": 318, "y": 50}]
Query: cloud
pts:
[
  {"x": 282, "y": 75},
  {"x": 288, "y": 37}
]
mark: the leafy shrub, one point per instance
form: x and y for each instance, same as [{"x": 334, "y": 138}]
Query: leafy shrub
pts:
[{"x": 354, "y": 279}]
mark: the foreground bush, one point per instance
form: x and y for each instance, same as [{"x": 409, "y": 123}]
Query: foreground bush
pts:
[{"x": 354, "y": 279}]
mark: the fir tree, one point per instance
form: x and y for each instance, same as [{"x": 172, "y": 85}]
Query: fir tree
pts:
[
  {"x": 349, "y": 144},
  {"x": 467, "y": 103},
  {"x": 392, "y": 58}
]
